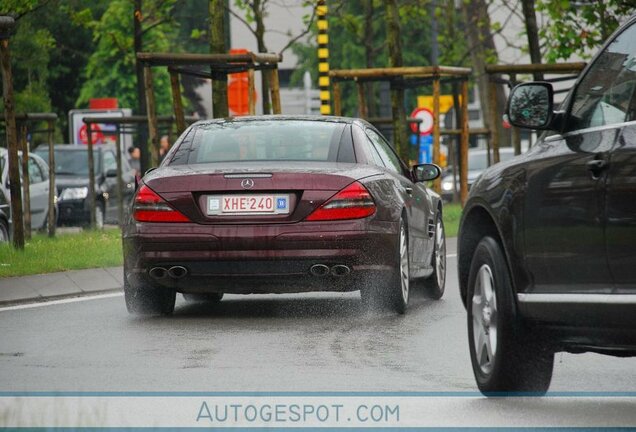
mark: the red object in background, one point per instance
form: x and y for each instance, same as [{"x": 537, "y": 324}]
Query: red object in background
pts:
[
  {"x": 238, "y": 90},
  {"x": 103, "y": 103},
  {"x": 96, "y": 132}
]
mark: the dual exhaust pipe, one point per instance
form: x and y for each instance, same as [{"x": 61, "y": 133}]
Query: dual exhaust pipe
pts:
[
  {"x": 175, "y": 272},
  {"x": 320, "y": 270}
]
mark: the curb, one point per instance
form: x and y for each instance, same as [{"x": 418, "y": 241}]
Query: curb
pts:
[{"x": 73, "y": 283}]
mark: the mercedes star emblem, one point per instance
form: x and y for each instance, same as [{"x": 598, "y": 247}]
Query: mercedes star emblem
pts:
[{"x": 247, "y": 183}]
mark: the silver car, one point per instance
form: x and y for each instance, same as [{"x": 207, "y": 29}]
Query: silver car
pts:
[{"x": 39, "y": 186}]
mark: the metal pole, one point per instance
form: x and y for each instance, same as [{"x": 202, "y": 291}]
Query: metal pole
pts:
[
  {"x": 120, "y": 180},
  {"x": 52, "y": 219},
  {"x": 91, "y": 176},
  {"x": 26, "y": 183}
]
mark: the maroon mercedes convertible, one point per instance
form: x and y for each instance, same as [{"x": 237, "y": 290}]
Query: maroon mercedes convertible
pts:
[{"x": 279, "y": 204}]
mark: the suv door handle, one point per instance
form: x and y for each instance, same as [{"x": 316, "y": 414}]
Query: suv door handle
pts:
[
  {"x": 409, "y": 190},
  {"x": 597, "y": 165}
]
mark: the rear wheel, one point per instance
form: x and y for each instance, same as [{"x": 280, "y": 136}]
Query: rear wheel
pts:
[
  {"x": 143, "y": 300},
  {"x": 504, "y": 356},
  {"x": 392, "y": 292},
  {"x": 207, "y": 298},
  {"x": 435, "y": 284}
]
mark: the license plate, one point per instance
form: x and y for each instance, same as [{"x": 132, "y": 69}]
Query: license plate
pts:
[{"x": 252, "y": 204}]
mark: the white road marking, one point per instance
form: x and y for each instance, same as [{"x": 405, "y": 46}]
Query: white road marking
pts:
[{"x": 61, "y": 301}]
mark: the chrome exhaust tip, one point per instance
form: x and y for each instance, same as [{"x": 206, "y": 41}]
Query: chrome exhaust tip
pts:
[
  {"x": 319, "y": 270},
  {"x": 177, "y": 272},
  {"x": 158, "y": 273},
  {"x": 340, "y": 270}
]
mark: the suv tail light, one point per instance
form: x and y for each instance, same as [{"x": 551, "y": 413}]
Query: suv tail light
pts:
[
  {"x": 150, "y": 207},
  {"x": 353, "y": 202}
]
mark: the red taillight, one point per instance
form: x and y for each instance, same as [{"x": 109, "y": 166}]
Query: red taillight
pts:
[
  {"x": 150, "y": 207},
  {"x": 353, "y": 202}
]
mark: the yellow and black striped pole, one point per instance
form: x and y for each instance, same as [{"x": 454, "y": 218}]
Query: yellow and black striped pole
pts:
[{"x": 323, "y": 58}]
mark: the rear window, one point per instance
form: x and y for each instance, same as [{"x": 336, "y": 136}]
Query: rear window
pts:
[{"x": 293, "y": 140}]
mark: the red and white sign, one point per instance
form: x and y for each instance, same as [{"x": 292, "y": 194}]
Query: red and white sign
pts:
[
  {"x": 97, "y": 137},
  {"x": 426, "y": 126}
]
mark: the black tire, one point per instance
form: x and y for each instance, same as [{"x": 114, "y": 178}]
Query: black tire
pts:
[
  {"x": 148, "y": 301},
  {"x": 391, "y": 292},
  {"x": 435, "y": 284},
  {"x": 4, "y": 231},
  {"x": 207, "y": 298},
  {"x": 509, "y": 360}
]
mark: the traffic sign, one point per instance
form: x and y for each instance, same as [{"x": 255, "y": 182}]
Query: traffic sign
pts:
[{"x": 426, "y": 126}]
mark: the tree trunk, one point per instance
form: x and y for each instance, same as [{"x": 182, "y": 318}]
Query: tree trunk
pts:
[
  {"x": 533, "y": 34},
  {"x": 369, "y": 50},
  {"x": 400, "y": 139},
  {"x": 144, "y": 154},
  {"x": 217, "y": 46},
  {"x": 12, "y": 144},
  {"x": 258, "y": 9},
  {"x": 482, "y": 49}
]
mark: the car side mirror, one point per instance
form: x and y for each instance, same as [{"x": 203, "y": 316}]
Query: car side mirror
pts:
[
  {"x": 530, "y": 105},
  {"x": 111, "y": 173},
  {"x": 426, "y": 172}
]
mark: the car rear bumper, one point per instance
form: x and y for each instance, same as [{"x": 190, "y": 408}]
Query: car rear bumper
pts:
[{"x": 252, "y": 259}]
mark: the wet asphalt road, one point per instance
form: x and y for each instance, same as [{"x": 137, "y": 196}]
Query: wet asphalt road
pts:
[{"x": 309, "y": 342}]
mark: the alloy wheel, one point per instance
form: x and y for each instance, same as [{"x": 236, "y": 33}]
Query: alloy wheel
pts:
[
  {"x": 440, "y": 253},
  {"x": 404, "y": 264},
  {"x": 484, "y": 312}
]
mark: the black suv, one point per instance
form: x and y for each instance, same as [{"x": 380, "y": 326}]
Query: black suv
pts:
[
  {"x": 547, "y": 243},
  {"x": 71, "y": 182}
]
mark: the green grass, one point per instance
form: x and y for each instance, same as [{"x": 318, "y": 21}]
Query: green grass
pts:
[
  {"x": 86, "y": 249},
  {"x": 452, "y": 215}
]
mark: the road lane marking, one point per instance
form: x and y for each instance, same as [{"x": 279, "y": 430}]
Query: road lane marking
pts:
[{"x": 61, "y": 301}]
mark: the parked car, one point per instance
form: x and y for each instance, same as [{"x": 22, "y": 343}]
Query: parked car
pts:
[
  {"x": 547, "y": 256},
  {"x": 477, "y": 163},
  {"x": 71, "y": 181},
  {"x": 280, "y": 204},
  {"x": 5, "y": 217},
  {"x": 38, "y": 190}
]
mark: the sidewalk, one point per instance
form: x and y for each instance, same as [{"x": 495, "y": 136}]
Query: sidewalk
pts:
[{"x": 61, "y": 284}]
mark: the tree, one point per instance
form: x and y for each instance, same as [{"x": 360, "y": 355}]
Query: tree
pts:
[
  {"x": 394, "y": 45},
  {"x": 217, "y": 46},
  {"x": 483, "y": 52},
  {"x": 579, "y": 27},
  {"x": 112, "y": 63},
  {"x": 253, "y": 17}
]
